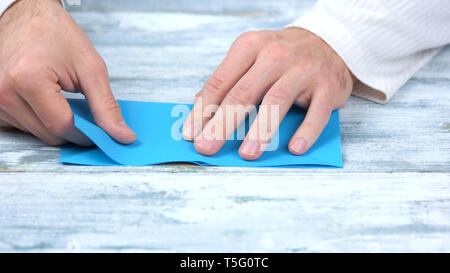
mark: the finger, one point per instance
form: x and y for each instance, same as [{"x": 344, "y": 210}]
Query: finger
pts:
[
  {"x": 273, "y": 109},
  {"x": 8, "y": 121},
  {"x": 22, "y": 112},
  {"x": 94, "y": 82},
  {"x": 316, "y": 119},
  {"x": 238, "y": 61},
  {"x": 235, "y": 107},
  {"x": 56, "y": 116}
]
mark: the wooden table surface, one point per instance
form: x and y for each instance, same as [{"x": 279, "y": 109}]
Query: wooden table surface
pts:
[{"x": 393, "y": 193}]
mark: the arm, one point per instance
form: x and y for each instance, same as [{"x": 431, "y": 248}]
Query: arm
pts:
[
  {"x": 370, "y": 48},
  {"x": 382, "y": 42}
]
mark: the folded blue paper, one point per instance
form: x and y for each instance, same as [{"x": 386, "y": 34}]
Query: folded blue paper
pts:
[{"x": 158, "y": 127}]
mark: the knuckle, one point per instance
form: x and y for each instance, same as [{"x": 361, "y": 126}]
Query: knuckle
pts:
[
  {"x": 303, "y": 70},
  {"x": 214, "y": 85},
  {"x": 248, "y": 36},
  {"x": 267, "y": 34},
  {"x": 322, "y": 109},
  {"x": 240, "y": 95},
  {"x": 306, "y": 66},
  {"x": 99, "y": 66},
  {"x": 276, "y": 51},
  {"x": 110, "y": 104},
  {"x": 248, "y": 40},
  {"x": 324, "y": 93},
  {"x": 96, "y": 64},
  {"x": 277, "y": 98},
  {"x": 23, "y": 70},
  {"x": 335, "y": 81},
  {"x": 323, "y": 79},
  {"x": 62, "y": 125}
]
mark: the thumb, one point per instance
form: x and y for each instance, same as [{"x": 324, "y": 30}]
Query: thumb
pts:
[{"x": 94, "y": 82}]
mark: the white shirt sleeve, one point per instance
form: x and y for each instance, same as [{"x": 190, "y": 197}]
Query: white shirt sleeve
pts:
[
  {"x": 383, "y": 42},
  {"x": 4, "y": 5}
]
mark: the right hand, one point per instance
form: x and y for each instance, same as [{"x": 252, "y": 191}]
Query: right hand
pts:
[{"x": 43, "y": 50}]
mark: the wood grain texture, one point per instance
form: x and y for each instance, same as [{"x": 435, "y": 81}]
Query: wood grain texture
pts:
[
  {"x": 391, "y": 195},
  {"x": 203, "y": 211}
]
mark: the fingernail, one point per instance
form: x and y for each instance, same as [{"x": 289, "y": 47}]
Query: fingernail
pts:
[
  {"x": 126, "y": 128},
  {"x": 251, "y": 147},
  {"x": 192, "y": 129},
  {"x": 205, "y": 144},
  {"x": 299, "y": 146}
]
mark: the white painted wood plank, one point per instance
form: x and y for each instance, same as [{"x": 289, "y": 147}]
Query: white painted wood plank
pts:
[
  {"x": 391, "y": 195},
  {"x": 206, "y": 212}
]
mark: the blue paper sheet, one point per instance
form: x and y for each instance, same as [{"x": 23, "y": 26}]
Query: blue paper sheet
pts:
[{"x": 156, "y": 124}]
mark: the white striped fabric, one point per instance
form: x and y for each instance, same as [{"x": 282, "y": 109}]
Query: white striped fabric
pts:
[
  {"x": 4, "y": 4},
  {"x": 383, "y": 42}
]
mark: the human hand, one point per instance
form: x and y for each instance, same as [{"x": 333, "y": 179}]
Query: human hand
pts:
[
  {"x": 278, "y": 69},
  {"x": 42, "y": 50}
]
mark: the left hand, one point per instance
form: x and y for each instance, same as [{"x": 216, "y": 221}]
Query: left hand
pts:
[{"x": 278, "y": 69}]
